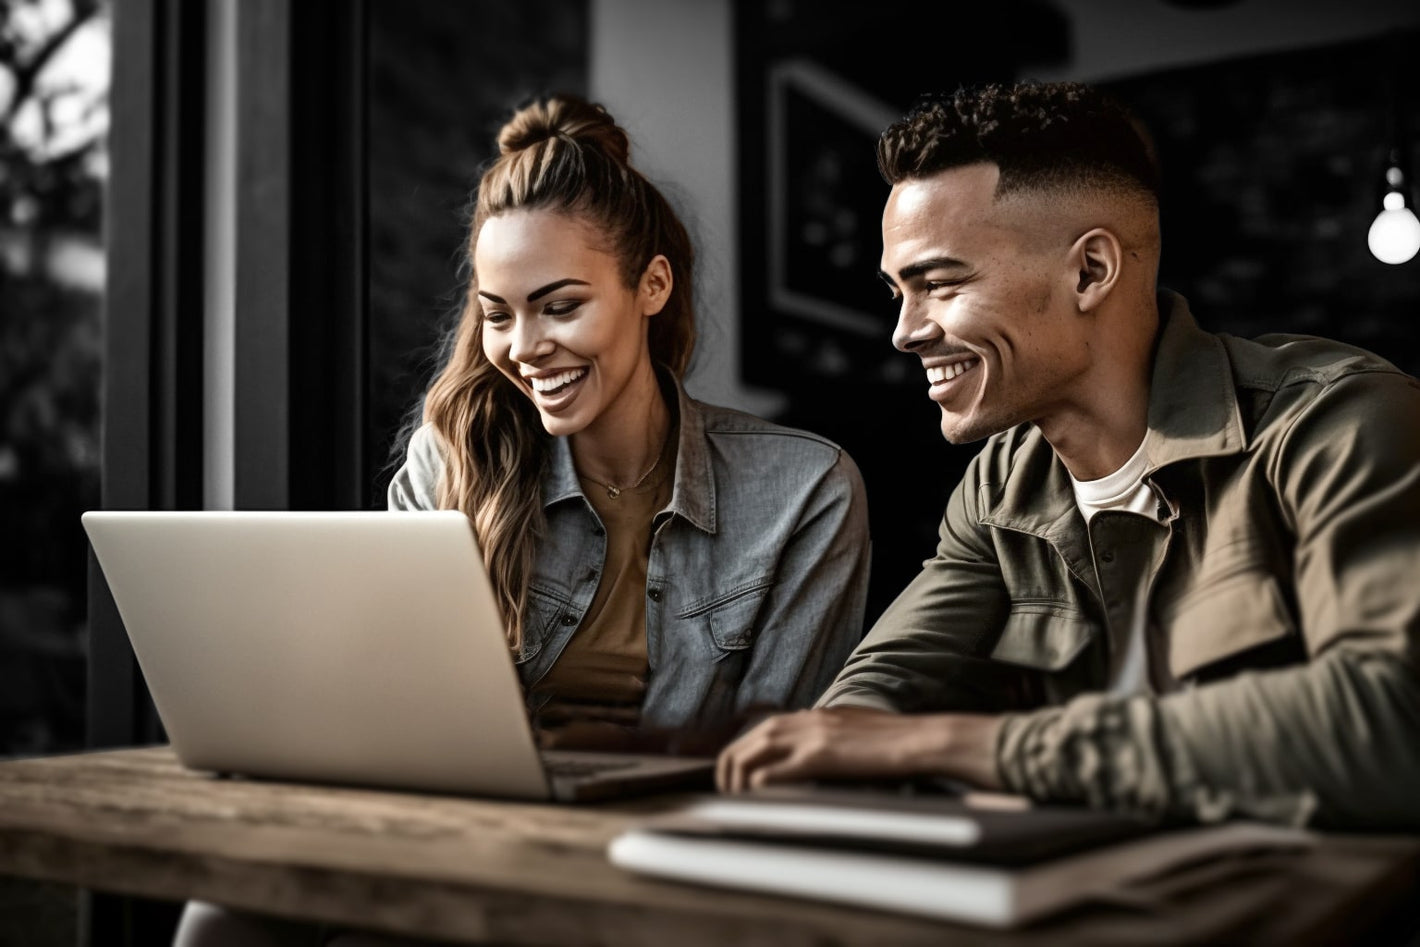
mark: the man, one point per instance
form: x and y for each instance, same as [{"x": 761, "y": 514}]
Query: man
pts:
[{"x": 1182, "y": 577}]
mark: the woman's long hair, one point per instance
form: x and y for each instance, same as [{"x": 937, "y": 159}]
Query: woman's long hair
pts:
[{"x": 565, "y": 155}]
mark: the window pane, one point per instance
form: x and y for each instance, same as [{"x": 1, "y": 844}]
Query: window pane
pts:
[{"x": 54, "y": 78}]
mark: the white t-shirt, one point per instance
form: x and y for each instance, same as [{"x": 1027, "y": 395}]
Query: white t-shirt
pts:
[{"x": 1124, "y": 490}]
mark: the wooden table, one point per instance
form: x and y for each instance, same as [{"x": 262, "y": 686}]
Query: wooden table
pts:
[{"x": 135, "y": 822}]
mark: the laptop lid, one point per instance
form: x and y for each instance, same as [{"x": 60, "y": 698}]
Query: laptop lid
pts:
[{"x": 355, "y": 647}]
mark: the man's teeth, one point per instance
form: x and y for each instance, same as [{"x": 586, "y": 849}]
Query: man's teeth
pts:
[
  {"x": 940, "y": 373},
  {"x": 553, "y": 382}
]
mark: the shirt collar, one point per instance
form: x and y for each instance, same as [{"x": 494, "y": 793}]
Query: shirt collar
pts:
[
  {"x": 693, "y": 490},
  {"x": 693, "y": 496}
]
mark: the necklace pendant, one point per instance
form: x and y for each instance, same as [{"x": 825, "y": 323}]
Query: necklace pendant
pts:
[{"x": 612, "y": 492}]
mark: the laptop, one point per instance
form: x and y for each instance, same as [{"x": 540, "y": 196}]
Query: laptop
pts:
[{"x": 356, "y": 648}]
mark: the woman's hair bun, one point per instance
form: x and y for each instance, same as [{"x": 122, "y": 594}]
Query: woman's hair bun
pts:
[{"x": 566, "y": 117}]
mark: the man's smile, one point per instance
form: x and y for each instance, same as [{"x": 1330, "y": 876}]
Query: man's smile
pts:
[{"x": 943, "y": 378}]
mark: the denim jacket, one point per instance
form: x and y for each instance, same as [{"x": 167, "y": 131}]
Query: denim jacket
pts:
[
  {"x": 1282, "y": 587},
  {"x": 758, "y": 568}
]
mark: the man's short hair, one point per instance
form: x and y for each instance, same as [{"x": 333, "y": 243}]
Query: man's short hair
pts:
[{"x": 1041, "y": 135}]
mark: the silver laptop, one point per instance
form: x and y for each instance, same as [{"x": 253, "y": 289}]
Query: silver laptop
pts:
[{"x": 360, "y": 648}]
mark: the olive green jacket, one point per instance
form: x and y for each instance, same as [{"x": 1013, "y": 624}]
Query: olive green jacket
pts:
[{"x": 1283, "y": 597}]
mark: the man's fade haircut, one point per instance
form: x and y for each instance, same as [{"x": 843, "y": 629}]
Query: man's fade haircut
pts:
[{"x": 1041, "y": 136}]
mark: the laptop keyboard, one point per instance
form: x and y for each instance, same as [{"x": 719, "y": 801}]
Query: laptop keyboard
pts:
[{"x": 559, "y": 766}]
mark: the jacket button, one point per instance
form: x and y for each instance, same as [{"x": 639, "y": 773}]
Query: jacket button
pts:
[
  {"x": 569, "y": 619},
  {"x": 654, "y": 594},
  {"x": 1106, "y": 556}
]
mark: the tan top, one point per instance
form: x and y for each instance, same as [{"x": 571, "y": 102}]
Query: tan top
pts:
[{"x": 600, "y": 677}]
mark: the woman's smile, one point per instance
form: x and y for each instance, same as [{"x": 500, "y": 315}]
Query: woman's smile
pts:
[{"x": 555, "y": 389}]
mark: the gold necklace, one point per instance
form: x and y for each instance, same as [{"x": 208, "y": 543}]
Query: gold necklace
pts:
[{"x": 613, "y": 491}]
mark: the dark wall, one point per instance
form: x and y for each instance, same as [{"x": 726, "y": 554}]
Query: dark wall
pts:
[{"x": 1273, "y": 173}]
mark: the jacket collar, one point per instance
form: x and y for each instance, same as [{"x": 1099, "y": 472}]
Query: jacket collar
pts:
[
  {"x": 693, "y": 490},
  {"x": 1193, "y": 401},
  {"x": 1193, "y": 413}
]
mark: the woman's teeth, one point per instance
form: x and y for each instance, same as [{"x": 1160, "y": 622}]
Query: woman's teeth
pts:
[{"x": 552, "y": 383}]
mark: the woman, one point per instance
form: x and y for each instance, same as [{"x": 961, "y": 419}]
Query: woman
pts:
[
  {"x": 660, "y": 563},
  {"x": 662, "y": 566}
]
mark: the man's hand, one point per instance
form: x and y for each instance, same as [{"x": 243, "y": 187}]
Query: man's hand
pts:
[{"x": 859, "y": 743}]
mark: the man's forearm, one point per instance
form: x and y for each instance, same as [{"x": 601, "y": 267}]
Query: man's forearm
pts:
[{"x": 1336, "y": 741}]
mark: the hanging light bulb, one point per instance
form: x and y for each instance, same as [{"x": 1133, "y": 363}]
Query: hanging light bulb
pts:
[{"x": 1394, "y": 236}]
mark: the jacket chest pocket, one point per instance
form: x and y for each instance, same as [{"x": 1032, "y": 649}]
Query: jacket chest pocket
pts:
[
  {"x": 1044, "y": 636},
  {"x": 1223, "y": 619},
  {"x": 731, "y": 620}
]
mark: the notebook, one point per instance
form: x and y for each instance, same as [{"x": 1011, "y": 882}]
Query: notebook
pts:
[
  {"x": 357, "y": 648},
  {"x": 983, "y": 859}
]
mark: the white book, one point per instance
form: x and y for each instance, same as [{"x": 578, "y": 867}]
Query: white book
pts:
[{"x": 986, "y": 867}]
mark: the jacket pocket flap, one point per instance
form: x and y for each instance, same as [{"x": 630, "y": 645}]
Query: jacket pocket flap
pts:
[
  {"x": 1044, "y": 636},
  {"x": 732, "y": 624},
  {"x": 1222, "y": 620}
]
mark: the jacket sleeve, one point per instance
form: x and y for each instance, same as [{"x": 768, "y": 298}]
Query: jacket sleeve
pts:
[
  {"x": 809, "y": 626},
  {"x": 415, "y": 483},
  {"x": 925, "y": 651},
  {"x": 1336, "y": 741}
]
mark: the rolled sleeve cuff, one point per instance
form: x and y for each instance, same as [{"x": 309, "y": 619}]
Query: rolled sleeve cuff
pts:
[
  {"x": 1086, "y": 751},
  {"x": 1119, "y": 754}
]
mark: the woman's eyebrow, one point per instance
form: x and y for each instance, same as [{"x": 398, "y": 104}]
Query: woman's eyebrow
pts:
[{"x": 537, "y": 294}]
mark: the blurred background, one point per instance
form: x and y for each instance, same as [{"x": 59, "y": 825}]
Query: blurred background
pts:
[{"x": 231, "y": 234}]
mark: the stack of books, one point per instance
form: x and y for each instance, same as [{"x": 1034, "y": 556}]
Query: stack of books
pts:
[{"x": 992, "y": 860}]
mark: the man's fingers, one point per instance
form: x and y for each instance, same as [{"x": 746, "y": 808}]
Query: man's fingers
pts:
[
  {"x": 726, "y": 764},
  {"x": 764, "y": 744},
  {"x": 751, "y": 759},
  {"x": 855, "y": 742},
  {"x": 740, "y": 759},
  {"x": 790, "y": 767}
]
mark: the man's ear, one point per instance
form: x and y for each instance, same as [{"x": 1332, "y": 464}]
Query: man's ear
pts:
[
  {"x": 1096, "y": 259},
  {"x": 656, "y": 285}
]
